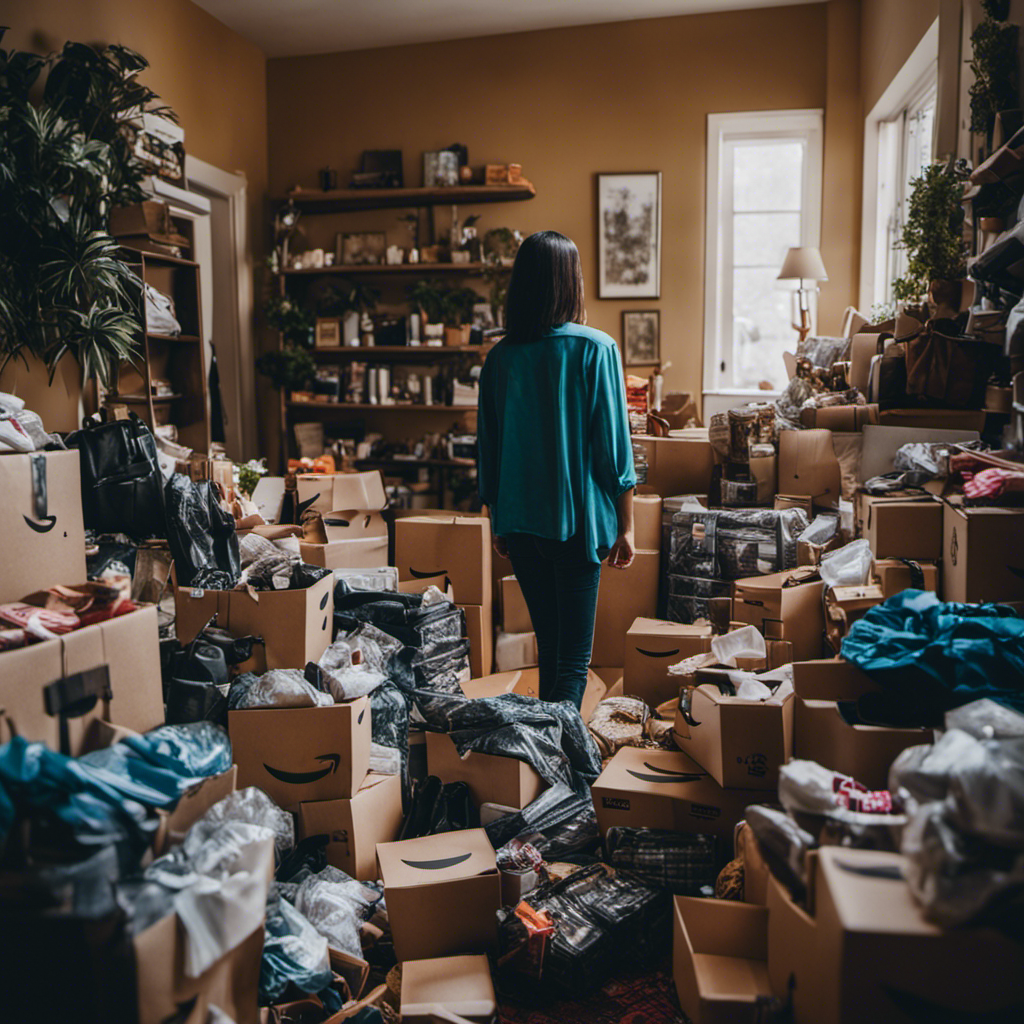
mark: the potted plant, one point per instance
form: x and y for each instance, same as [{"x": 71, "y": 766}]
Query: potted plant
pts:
[
  {"x": 933, "y": 237},
  {"x": 501, "y": 245},
  {"x": 996, "y": 68},
  {"x": 457, "y": 309},
  {"x": 428, "y": 298},
  {"x": 289, "y": 367}
]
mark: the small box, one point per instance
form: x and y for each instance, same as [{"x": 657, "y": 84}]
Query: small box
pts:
[
  {"x": 783, "y": 609},
  {"x": 982, "y": 554},
  {"x": 808, "y": 466},
  {"x": 514, "y": 651},
  {"x": 355, "y": 826},
  {"x": 624, "y": 595},
  {"x": 902, "y": 528},
  {"x": 741, "y": 743},
  {"x": 666, "y": 789},
  {"x": 652, "y": 645},
  {"x": 515, "y": 616},
  {"x": 325, "y": 492},
  {"x": 490, "y": 777},
  {"x": 357, "y": 535},
  {"x": 846, "y": 419},
  {"x": 647, "y": 521},
  {"x": 720, "y": 960},
  {"x": 480, "y": 630},
  {"x": 460, "y": 985},
  {"x": 678, "y": 465},
  {"x": 443, "y": 894},
  {"x": 299, "y": 754},
  {"x": 895, "y": 575},
  {"x": 459, "y": 547}
]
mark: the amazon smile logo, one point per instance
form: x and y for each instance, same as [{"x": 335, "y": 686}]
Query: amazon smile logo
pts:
[
  {"x": 303, "y": 505},
  {"x": 657, "y": 654},
  {"x": 437, "y": 865},
  {"x": 48, "y": 523},
  {"x": 418, "y": 574},
  {"x": 665, "y": 775},
  {"x": 301, "y": 778}
]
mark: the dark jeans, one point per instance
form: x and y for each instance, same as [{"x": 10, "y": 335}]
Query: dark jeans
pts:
[{"x": 559, "y": 586}]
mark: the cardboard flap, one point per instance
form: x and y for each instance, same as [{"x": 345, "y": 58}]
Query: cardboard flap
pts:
[
  {"x": 664, "y": 772},
  {"x": 494, "y": 685},
  {"x": 644, "y": 629},
  {"x": 461, "y": 984},
  {"x": 440, "y": 858},
  {"x": 830, "y": 679},
  {"x": 354, "y": 524},
  {"x": 724, "y": 927},
  {"x": 324, "y": 492}
]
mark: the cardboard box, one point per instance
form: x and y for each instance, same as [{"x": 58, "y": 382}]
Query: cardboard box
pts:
[
  {"x": 41, "y": 502},
  {"x": 808, "y": 466},
  {"x": 821, "y": 732},
  {"x": 326, "y": 492},
  {"x": 459, "y": 547},
  {"x": 192, "y": 805},
  {"x": 299, "y": 754},
  {"x": 652, "y": 645},
  {"x": 357, "y": 535},
  {"x": 480, "y": 630},
  {"x": 624, "y": 595},
  {"x": 443, "y": 893},
  {"x": 460, "y": 985},
  {"x": 783, "y": 501},
  {"x": 666, "y": 789},
  {"x": 881, "y": 443},
  {"x": 934, "y": 419},
  {"x": 356, "y": 825},
  {"x": 514, "y": 651},
  {"x": 296, "y": 625},
  {"x": 515, "y": 616},
  {"x": 128, "y": 646},
  {"x": 894, "y": 575},
  {"x": 764, "y": 469},
  {"x": 741, "y": 743},
  {"x": 845, "y": 419},
  {"x": 795, "y": 956},
  {"x": 647, "y": 521},
  {"x": 520, "y": 681},
  {"x": 720, "y": 960},
  {"x": 678, "y": 465},
  {"x": 901, "y": 527},
  {"x": 781, "y": 612},
  {"x": 490, "y": 777},
  {"x": 982, "y": 554}
]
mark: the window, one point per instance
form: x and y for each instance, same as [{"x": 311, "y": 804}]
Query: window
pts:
[
  {"x": 763, "y": 196},
  {"x": 904, "y": 150}
]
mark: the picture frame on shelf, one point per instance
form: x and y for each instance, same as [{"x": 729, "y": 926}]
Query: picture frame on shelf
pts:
[
  {"x": 440, "y": 169},
  {"x": 629, "y": 235},
  {"x": 641, "y": 337},
  {"x": 362, "y": 248},
  {"x": 483, "y": 316},
  {"x": 327, "y": 333}
]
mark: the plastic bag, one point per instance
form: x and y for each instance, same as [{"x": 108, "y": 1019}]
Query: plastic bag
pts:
[
  {"x": 352, "y": 666},
  {"x": 440, "y": 807},
  {"x": 249, "y": 805},
  {"x": 197, "y": 749},
  {"x": 848, "y": 566},
  {"x": 559, "y": 822},
  {"x": 278, "y": 688},
  {"x": 294, "y": 952},
  {"x": 681, "y": 862},
  {"x": 201, "y": 534},
  {"x": 326, "y": 906},
  {"x": 745, "y": 642},
  {"x": 384, "y": 579},
  {"x": 618, "y": 722},
  {"x": 820, "y": 530}
]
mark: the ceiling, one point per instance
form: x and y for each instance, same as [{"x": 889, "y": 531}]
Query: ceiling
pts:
[{"x": 286, "y": 28}]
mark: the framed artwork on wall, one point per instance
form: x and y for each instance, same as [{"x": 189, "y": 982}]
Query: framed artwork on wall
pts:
[
  {"x": 641, "y": 337},
  {"x": 629, "y": 235},
  {"x": 361, "y": 248}
]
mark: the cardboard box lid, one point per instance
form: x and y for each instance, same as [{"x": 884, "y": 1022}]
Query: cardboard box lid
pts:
[
  {"x": 669, "y": 630},
  {"x": 668, "y": 773},
  {"x": 363, "y": 491},
  {"x": 354, "y": 524},
  {"x": 441, "y": 858},
  {"x": 461, "y": 984},
  {"x": 710, "y": 691}
]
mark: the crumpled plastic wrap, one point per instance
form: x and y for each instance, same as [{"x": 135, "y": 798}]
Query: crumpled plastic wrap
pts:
[
  {"x": 198, "y": 749},
  {"x": 559, "y": 822},
  {"x": 389, "y": 730},
  {"x": 684, "y": 863},
  {"x": 384, "y": 579},
  {"x": 440, "y": 807},
  {"x": 253, "y": 547},
  {"x": 278, "y": 688},
  {"x": 820, "y": 530},
  {"x": 294, "y": 952},
  {"x": 922, "y": 457},
  {"x": 352, "y": 666},
  {"x": 848, "y": 566},
  {"x": 336, "y": 905},
  {"x": 270, "y": 570},
  {"x": 249, "y": 805},
  {"x": 807, "y": 787}
]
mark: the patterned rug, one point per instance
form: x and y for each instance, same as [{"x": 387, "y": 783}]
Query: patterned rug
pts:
[{"x": 632, "y": 997}]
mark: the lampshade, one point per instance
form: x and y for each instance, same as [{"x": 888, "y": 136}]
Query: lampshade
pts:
[{"x": 803, "y": 263}]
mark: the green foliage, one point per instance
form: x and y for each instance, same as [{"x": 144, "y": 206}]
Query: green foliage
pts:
[
  {"x": 880, "y": 312},
  {"x": 250, "y": 474},
  {"x": 996, "y": 70},
  {"x": 289, "y": 367},
  {"x": 457, "y": 306},
  {"x": 933, "y": 231},
  {"x": 65, "y": 161},
  {"x": 429, "y": 297},
  {"x": 294, "y": 321}
]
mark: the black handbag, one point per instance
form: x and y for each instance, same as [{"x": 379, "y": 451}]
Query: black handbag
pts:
[{"x": 122, "y": 487}]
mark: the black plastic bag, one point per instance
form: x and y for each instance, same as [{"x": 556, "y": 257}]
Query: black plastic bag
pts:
[
  {"x": 440, "y": 807},
  {"x": 681, "y": 862},
  {"x": 200, "y": 533},
  {"x": 559, "y": 823}
]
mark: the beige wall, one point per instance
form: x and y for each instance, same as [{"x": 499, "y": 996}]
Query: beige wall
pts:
[
  {"x": 890, "y": 29},
  {"x": 568, "y": 103}
]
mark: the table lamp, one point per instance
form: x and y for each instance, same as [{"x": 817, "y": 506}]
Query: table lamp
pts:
[{"x": 803, "y": 263}]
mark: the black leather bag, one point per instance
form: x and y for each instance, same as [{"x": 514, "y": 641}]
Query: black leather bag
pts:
[{"x": 122, "y": 488}]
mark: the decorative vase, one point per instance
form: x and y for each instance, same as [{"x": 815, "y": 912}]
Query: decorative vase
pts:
[
  {"x": 59, "y": 404},
  {"x": 456, "y": 336}
]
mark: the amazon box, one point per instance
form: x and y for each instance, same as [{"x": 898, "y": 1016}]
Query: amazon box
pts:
[
  {"x": 117, "y": 665},
  {"x": 357, "y": 534},
  {"x": 741, "y": 743},
  {"x": 827, "y": 729},
  {"x": 491, "y": 778},
  {"x": 678, "y": 465},
  {"x": 647, "y": 521},
  {"x": 296, "y": 625},
  {"x": 808, "y": 466},
  {"x": 327, "y": 492},
  {"x": 480, "y": 631},
  {"x": 459, "y": 547},
  {"x": 461, "y": 985},
  {"x": 44, "y": 537},
  {"x": 300, "y": 754},
  {"x": 720, "y": 960},
  {"x": 443, "y": 894},
  {"x": 901, "y": 527},
  {"x": 355, "y": 826},
  {"x": 515, "y": 616},
  {"x": 667, "y": 789},
  {"x": 652, "y": 645},
  {"x": 782, "y": 608},
  {"x": 982, "y": 554},
  {"x": 191, "y": 806},
  {"x": 895, "y": 575},
  {"x": 624, "y": 596}
]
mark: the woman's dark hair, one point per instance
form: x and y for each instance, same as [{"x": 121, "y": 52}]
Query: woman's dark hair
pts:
[{"x": 546, "y": 287}]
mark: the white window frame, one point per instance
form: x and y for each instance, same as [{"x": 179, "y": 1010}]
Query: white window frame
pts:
[
  {"x": 904, "y": 92},
  {"x": 763, "y": 124}
]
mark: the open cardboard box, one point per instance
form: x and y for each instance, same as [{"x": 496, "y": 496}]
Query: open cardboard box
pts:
[
  {"x": 357, "y": 533},
  {"x": 895, "y": 575},
  {"x": 490, "y": 777},
  {"x": 982, "y": 553},
  {"x": 667, "y": 789},
  {"x": 299, "y": 754},
  {"x": 443, "y": 893},
  {"x": 902, "y": 527},
  {"x": 354, "y": 826},
  {"x": 781, "y": 611},
  {"x": 459, "y": 985},
  {"x": 719, "y": 960},
  {"x": 324, "y": 492},
  {"x": 652, "y": 645}
]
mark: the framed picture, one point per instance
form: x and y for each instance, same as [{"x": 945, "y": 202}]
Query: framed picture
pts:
[
  {"x": 629, "y": 235},
  {"x": 328, "y": 333},
  {"x": 363, "y": 248},
  {"x": 483, "y": 316},
  {"x": 641, "y": 337},
  {"x": 440, "y": 169}
]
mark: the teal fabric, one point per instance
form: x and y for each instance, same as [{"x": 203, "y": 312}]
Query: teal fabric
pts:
[{"x": 554, "y": 451}]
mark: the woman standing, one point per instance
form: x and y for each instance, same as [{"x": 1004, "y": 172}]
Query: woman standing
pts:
[{"x": 555, "y": 462}]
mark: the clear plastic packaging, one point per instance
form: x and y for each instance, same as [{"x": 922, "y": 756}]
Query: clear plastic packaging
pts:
[
  {"x": 384, "y": 579},
  {"x": 278, "y": 688},
  {"x": 820, "y": 530},
  {"x": 249, "y": 805},
  {"x": 681, "y": 862},
  {"x": 352, "y": 667},
  {"x": 848, "y": 566},
  {"x": 745, "y": 642},
  {"x": 294, "y": 952}
]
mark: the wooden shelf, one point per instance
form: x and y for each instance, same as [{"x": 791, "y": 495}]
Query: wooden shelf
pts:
[
  {"x": 340, "y": 200},
  {"x": 445, "y": 463},
  {"x": 397, "y": 352},
  {"x": 366, "y": 407},
  {"x": 144, "y": 399},
  {"x": 159, "y": 257},
  {"x": 184, "y": 338},
  {"x": 396, "y": 269}
]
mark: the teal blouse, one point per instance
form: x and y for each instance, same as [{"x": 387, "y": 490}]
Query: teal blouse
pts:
[{"x": 554, "y": 450}]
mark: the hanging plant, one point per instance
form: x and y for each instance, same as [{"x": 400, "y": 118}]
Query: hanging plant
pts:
[{"x": 995, "y": 66}]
